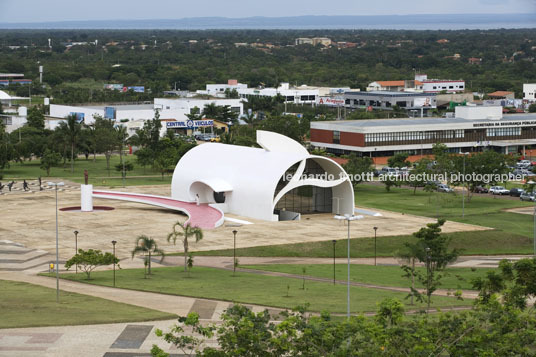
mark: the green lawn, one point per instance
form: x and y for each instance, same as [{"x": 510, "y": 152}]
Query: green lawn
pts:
[
  {"x": 98, "y": 174},
  {"x": 28, "y": 305},
  {"x": 249, "y": 288},
  {"x": 489, "y": 242},
  {"x": 483, "y": 209},
  {"x": 456, "y": 278}
]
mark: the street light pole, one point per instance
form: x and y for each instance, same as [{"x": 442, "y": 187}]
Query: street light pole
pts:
[
  {"x": 463, "y": 186},
  {"x": 348, "y": 218},
  {"x": 428, "y": 275},
  {"x": 334, "y": 241},
  {"x": 375, "y": 229},
  {"x": 56, "y": 184},
  {"x": 76, "y": 248},
  {"x": 532, "y": 183},
  {"x": 234, "y": 251},
  {"x": 114, "y": 243}
]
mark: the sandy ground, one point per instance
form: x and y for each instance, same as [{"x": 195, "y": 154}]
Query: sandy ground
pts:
[{"x": 29, "y": 219}]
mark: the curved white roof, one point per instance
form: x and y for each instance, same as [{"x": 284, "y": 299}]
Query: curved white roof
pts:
[{"x": 249, "y": 176}]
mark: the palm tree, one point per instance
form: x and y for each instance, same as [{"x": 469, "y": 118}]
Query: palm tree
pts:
[
  {"x": 185, "y": 231},
  {"x": 148, "y": 246},
  {"x": 72, "y": 129}
]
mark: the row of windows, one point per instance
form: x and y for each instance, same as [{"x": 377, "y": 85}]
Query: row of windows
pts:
[
  {"x": 450, "y": 87},
  {"x": 414, "y": 135},
  {"x": 503, "y": 132}
]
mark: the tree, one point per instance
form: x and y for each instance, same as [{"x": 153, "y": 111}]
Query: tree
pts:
[
  {"x": 124, "y": 168},
  {"x": 399, "y": 160},
  {"x": 187, "y": 343},
  {"x": 418, "y": 176},
  {"x": 515, "y": 282},
  {"x": 90, "y": 259},
  {"x": 147, "y": 246},
  {"x": 432, "y": 249},
  {"x": 166, "y": 156},
  {"x": 6, "y": 149},
  {"x": 358, "y": 168},
  {"x": 391, "y": 181},
  {"x": 483, "y": 168},
  {"x": 487, "y": 330},
  {"x": 49, "y": 159},
  {"x": 121, "y": 138},
  {"x": 532, "y": 108},
  {"x": 36, "y": 118},
  {"x": 71, "y": 129},
  {"x": 106, "y": 138},
  {"x": 183, "y": 231}
]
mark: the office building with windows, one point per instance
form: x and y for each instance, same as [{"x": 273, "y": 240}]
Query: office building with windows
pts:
[{"x": 472, "y": 129}]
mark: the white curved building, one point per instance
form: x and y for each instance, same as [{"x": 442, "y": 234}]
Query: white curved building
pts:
[{"x": 278, "y": 181}]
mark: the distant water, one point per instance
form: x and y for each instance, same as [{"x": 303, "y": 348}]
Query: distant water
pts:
[{"x": 393, "y": 22}]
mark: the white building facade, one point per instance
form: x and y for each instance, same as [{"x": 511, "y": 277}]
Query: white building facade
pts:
[
  {"x": 279, "y": 181},
  {"x": 529, "y": 92}
]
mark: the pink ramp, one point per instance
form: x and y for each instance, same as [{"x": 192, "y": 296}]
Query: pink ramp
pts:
[{"x": 202, "y": 216}]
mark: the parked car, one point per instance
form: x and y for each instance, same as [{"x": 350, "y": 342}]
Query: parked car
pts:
[
  {"x": 527, "y": 196},
  {"x": 444, "y": 188},
  {"x": 516, "y": 192},
  {"x": 480, "y": 189},
  {"x": 498, "y": 190}
]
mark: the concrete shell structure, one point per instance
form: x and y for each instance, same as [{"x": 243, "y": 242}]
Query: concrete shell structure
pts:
[{"x": 251, "y": 182}]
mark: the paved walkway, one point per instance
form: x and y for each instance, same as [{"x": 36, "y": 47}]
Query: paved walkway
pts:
[{"x": 200, "y": 215}]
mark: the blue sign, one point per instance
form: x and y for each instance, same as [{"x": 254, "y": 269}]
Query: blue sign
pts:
[
  {"x": 189, "y": 124},
  {"x": 137, "y": 89},
  {"x": 109, "y": 113}
]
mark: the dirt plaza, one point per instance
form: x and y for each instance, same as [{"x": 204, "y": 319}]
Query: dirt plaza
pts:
[{"x": 28, "y": 218}]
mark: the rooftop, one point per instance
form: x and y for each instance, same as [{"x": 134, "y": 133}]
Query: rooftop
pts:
[
  {"x": 500, "y": 93},
  {"x": 391, "y": 94},
  {"x": 425, "y": 121}
]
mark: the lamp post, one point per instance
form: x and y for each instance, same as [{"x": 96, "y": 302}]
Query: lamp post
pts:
[
  {"x": 114, "y": 242},
  {"x": 375, "y": 229},
  {"x": 428, "y": 274},
  {"x": 532, "y": 183},
  {"x": 334, "y": 241},
  {"x": 76, "y": 248},
  {"x": 348, "y": 218},
  {"x": 234, "y": 251},
  {"x": 56, "y": 184},
  {"x": 463, "y": 186}
]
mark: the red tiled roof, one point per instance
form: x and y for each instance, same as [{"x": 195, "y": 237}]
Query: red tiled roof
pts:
[
  {"x": 500, "y": 93},
  {"x": 391, "y": 83}
]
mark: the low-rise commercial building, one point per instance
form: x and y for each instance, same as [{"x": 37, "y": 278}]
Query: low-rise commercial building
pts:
[
  {"x": 169, "y": 110},
  {"x": 472, "y": 129},
  {"x": 387, "y": 100}
]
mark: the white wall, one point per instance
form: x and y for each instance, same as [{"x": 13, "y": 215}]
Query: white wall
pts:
[
  {"x": 186, "y": 104},
  {"x": 480, "y": 112},
  {"x": 62, "y": 111},
  {"x": 438, "y": 86},
  {"x": 529, "y": 91}
]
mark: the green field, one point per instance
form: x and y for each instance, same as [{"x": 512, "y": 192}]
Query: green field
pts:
[
  {"x": 483, "y": 209},
  {"x": 28, "y": 305},
  {"x": 489, "y": 242},
  {"x": 249, "y": 288},
  {"x": 455, "y": 278},
  {"x": 98, "y": 174}
]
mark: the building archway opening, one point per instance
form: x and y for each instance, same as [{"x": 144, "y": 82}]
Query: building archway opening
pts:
[{"x": 304, "y": 200}]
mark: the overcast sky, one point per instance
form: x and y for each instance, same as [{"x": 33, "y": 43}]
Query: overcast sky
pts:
[{"x": 69, "y": 10}]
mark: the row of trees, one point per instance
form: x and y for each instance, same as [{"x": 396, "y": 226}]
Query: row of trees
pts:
[
  {"x": 378, "y": 55},
  {"x": 499, "y": 324},
  {"x": 471, "y": 170},
  {"x": 71, "y": 138}
]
